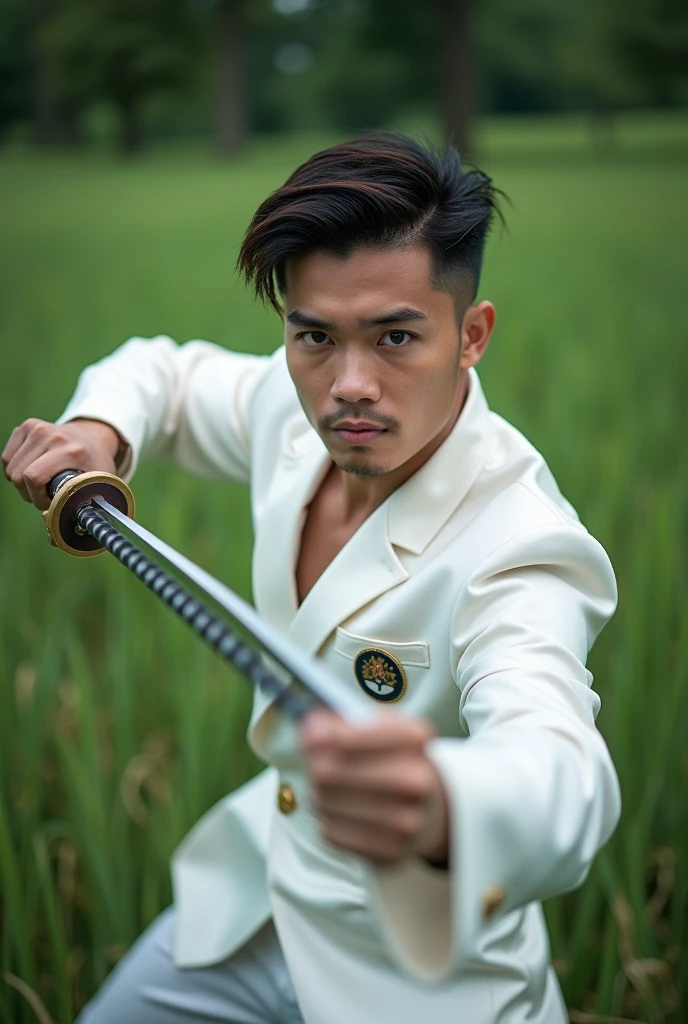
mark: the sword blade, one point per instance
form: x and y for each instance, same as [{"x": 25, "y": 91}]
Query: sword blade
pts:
[{"x": 311, "y": 672}]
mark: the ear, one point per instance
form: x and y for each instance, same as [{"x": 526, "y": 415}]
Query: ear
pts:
[{"x": 476, "y": 329}]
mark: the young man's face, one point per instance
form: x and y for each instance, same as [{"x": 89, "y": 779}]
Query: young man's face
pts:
[{"x": 377, "y": 356}]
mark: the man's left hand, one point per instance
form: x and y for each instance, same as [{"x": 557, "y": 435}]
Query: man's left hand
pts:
[{"x": 375, "y": 790}]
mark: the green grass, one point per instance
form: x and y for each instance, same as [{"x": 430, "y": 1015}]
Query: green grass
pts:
[{"x": 117, "y": 729}]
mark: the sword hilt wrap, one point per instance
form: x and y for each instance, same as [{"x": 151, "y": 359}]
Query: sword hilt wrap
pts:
[
  {"x": 71, "y": 490},
  {"x": 79, "y": 527}
]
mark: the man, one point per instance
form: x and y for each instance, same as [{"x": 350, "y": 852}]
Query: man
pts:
[{"x": 418, "y": 544}]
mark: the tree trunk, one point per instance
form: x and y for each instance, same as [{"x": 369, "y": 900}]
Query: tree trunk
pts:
[
  {"x": 231, "y": 84},
  {"x": 456, "y": 73},
  {"x": 130, "y": 127},
  {"x": 55, "y": 123}
]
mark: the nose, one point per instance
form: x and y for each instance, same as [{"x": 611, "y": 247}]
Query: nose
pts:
[{"x": 356, "y": 379}]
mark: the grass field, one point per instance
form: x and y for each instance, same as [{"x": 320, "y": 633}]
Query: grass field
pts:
[{"x": 117, "y": 730}]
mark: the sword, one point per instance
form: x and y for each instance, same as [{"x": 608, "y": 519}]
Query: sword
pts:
[{"x": 80, "y": 521}]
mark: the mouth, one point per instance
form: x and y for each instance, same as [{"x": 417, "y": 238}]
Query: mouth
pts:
[{"x": 358, "y": 433}]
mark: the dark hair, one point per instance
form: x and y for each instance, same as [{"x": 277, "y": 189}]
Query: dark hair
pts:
[{"x": 383, "y": 189}]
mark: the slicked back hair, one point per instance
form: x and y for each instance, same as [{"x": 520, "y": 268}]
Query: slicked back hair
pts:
[{"x": 381, "y": 190}]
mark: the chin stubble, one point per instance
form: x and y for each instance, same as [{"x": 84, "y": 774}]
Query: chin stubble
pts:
[{"x": 362, "y": 468}]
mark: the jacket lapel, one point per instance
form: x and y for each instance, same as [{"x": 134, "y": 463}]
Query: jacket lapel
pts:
[
  {"x": 365, "y": 567},
  {"x": 300, "y": 470},
  {"x": 420, "y": 507}
]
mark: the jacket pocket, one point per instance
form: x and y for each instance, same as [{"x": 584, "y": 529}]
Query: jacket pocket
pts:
[{"x": 411, "y": 655}]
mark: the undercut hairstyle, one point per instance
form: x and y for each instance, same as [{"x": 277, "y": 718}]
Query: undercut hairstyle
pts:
[{"x": 381, "y": 190}]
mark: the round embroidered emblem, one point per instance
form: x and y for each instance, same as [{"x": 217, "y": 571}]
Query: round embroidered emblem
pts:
[{"x": 379, "y": 674}]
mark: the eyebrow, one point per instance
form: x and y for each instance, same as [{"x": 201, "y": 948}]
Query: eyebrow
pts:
[{"x": 402, "y": 315}]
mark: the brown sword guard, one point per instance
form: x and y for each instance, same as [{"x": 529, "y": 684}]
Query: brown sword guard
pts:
[{"x": 71, "y": 490}]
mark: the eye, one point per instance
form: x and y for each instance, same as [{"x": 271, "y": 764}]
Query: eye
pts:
[
  {"x": 395, "y": 339},
  {"x": 314, "y": 339}
]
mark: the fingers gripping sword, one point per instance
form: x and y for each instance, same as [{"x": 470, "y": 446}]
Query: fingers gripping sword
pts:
[{"x": 80, "y": 521}]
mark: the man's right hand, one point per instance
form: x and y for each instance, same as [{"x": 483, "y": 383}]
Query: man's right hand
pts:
[{"x": 37, "y": 450}]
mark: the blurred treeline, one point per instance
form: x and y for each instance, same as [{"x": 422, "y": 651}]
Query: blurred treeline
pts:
[{"x": 128, "y": 71}]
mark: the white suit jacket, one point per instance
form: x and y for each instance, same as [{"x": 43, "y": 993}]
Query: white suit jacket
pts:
[{"x": 475, "y": 577}]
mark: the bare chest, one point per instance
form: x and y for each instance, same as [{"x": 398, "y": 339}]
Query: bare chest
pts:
[{"x": 325, "y": 532}]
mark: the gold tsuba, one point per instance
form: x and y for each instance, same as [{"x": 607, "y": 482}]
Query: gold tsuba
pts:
[{"x": 73, "y": 495}]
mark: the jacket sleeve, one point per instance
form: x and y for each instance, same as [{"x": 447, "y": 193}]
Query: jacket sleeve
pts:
[
  {"x": 532, "y": 791},
  {"x": 190, "y": 403}
]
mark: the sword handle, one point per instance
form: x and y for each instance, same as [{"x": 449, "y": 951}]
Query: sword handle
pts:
[{"x": 53, "y": 486}]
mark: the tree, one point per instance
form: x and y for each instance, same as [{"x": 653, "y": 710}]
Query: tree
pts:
[
  {"x": 456, "y": 99},
  {"x": 624, "y": 54},
  {"x": 121, "y": 51},
  {"x": 55, "y": 117},
  {"x": 428, "y": 58},
  {"x": 519, "y": 43},
  {"x": 652, "y": 42},
  {"x": 231, "y": 78},
  {"x": 15, "y": 63}
]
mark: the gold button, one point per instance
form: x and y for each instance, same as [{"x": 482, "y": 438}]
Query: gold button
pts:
[
  {"x": 493, "y": 898},
  {"x": 286, "y": 799}
]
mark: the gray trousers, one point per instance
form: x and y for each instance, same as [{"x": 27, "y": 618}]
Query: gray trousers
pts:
[{"x": 251, "y": 987}]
